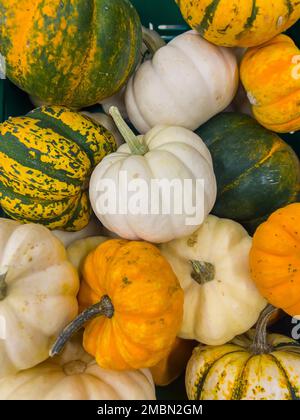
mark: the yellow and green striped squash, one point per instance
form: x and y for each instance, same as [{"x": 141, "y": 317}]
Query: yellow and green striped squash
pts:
[
  {"x": 240, "y": 23},
  {"x": 73, "y": 53},
  {"x": 46, "y": 159}
]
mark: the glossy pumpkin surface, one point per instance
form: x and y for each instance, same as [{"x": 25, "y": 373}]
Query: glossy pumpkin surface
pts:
[
  {"x": 256, "y": 171},
  {"x": 73, "y": 52},
  {"x": 243, "y": 23},
  {"x": 274, "y": 259},
  {"x": 147, "y": 301},
  {"x": 46, "y": 159}
]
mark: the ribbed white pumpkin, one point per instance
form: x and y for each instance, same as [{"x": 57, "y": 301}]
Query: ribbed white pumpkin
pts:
[
  {"x": 185, "y": 84},
  {"x": 171, "y": 153},
  {"x": 75, "y": 375},
  {"x": 38, "y": 289}
]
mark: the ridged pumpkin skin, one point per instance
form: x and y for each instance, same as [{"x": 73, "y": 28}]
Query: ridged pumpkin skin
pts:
[
  {"x": 233, "y": 372},
  {"x": 147, "y": 301},
  {"x": 274, "y": 259},
  {"x": 271, "y": 77},
  {"x": 46, "y": 159},
  {"x": 73, "y": 52},
  {"x": 256, "y": 171},
  {"x": 239, "y": 23}
]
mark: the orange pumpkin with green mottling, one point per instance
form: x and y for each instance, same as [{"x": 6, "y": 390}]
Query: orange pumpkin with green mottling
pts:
[
  {"x": 239, "y": 23},
  {"x": 274, "y": 259},
  {"x": 46, "y": 159},
  {"x": 271, "y": 77},
  {"x": 70, "y": 52},
  {"x": 132, "y": 306}
]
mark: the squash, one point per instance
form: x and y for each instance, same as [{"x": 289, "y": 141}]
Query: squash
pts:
[
  {"x": 274, "y": 259},
  {"x": 185, "y": 84},
  {"x": 46, "y": 161},
  {"x": 68, "y": 238},
  {"x": 172, "y": 366},
  {"x": 256, "y": 366},
  {"x": 243, "y": 23},
  {"x": 38, "y": 289},
  {"x": 212, "y": 266},
  {"x": 256, "y": 171},
  {"x": 75, "y": 375},
  {"x": 133, "y": 288},
  {"x": 107, "y": 122},
  {"x": 271, "y": 77},
  {"x": 165, "y": 153},
  {"x": 70, "y": 53},
  {"x": 80, "y": 249}
]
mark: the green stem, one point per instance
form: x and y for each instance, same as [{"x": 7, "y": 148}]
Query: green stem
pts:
[
  {"x": 135, "y": 145},
  {"x": 3, "y": 285},
  {"x": 153, "y": 44},
  {"x": 104, "y": 307},
  {"x": 203, "y": 272},
  {"x": 260, "y": 343}
]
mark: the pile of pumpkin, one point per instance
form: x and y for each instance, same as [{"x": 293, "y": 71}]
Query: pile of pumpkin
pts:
[{"x": 144, "y": 307}]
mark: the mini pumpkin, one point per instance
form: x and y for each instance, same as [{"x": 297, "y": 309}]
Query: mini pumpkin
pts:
[
  {"x": 243, "y": 23},
  {"x": 212, "y": 266},
  {"x": 274, "y": 259},
  {"x": 255, "y": 366},
  {"x": 271, "y": 77},
  {"x": 38, "y": 289},
  {"x": 75, "y": 375},
  {"x": 141, "y": 302}
]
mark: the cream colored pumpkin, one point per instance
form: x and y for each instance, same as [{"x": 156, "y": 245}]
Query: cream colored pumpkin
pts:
[
  {"x": 79, "y": 250},
  {"x": 38, "y": 289},
  {"x": 255, "y": 366},
  {"x": 75, "y": 375},
  {"x": 165, "y": 153},
  {"x": 221, "y": 301},
  {"x": 185, "y": 84}
]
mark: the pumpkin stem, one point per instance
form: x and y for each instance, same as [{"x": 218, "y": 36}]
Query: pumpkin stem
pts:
[
  {"x": 104, "y": 307},
  {"x": 3, "y": 284},
  {"x": 151, "y": 44},
  {"x": 135, "y": 145},
  {"x": 260, "y": 343},
  {"x": 203, "y": 272}
]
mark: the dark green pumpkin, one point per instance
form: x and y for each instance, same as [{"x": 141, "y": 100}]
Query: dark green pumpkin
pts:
[
  {"x": 256, "y": 171},
  {"x": 70, "y": 52}
]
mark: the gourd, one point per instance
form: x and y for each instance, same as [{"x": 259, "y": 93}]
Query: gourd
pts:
[
  {"x": 256, "y": 366},
  {"x": 271, "y": 77},
  {"x": 107, "y": 122},
  {"x": 72, "y": 54},
  {"x": 256, "y": 171},
  {"x": 170, "y": 153},
  {"x": 46, "y": 161},
  {"x": 38, "y": 289},
  {"x": 185, "y": 84},
  {"x": 75, "y": 375},
  {"x": 274, "y": 259},
  {"x": 132, "y": 306},
  {"x": 212, "y": 266},
  {"x": 244, "y": 23}
]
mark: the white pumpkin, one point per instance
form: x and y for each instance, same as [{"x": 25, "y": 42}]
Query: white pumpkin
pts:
[
  {"x": 79, "y": 250},
  {"x": 75, "y": 375},
  {"x": 212, "y": 266},
  {"x": 185, "y": 84},
  {"x": 165, "y": 153},
  {"x": 38, "y": 289}
]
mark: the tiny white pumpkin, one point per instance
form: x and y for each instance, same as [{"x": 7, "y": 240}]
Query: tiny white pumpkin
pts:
[
  {"x": 212, "y": 266},
  {"x": 75, "y": 375},
  {"x": 185, "y": 84},
  {"x": 38, "y": 289},
  {"x": 165, "y": 153}
]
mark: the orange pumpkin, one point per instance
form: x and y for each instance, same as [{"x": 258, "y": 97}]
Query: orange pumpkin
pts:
[
  {"x": 134, "y": 287},
  {"x": 275, "y": 259},
  {"x": 172, "y": 366},
  {"x": 271, "y": 76}
]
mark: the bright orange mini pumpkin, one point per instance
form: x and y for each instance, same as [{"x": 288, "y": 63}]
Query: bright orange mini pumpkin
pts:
[
  {"x": 275, "y": 259},
  {"x": 134, "y": 287},
  {"x": 271, "y": 76}
]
